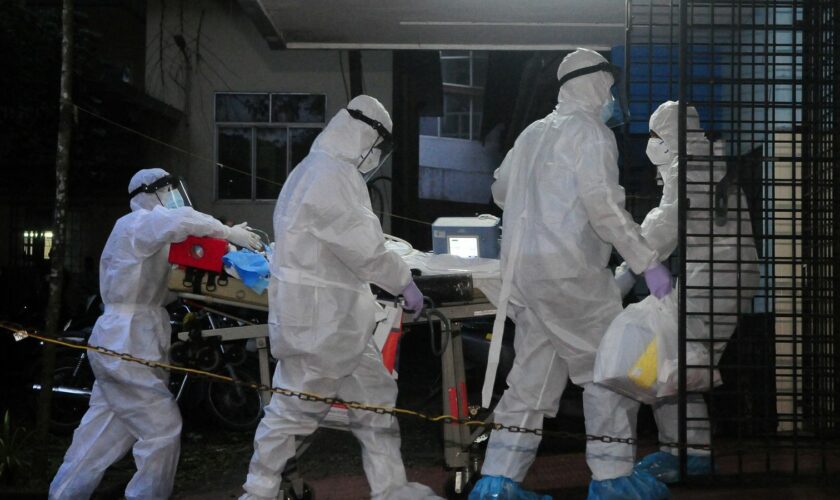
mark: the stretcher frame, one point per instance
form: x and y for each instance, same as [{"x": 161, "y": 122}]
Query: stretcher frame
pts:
[{"x": 457, "y": 438}]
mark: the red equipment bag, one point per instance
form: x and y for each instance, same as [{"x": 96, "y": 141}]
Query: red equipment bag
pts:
[{"x": 201, "y": 253}]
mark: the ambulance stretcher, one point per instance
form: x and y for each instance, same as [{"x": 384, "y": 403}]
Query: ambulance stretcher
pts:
[{"x": 211, "y": 287}]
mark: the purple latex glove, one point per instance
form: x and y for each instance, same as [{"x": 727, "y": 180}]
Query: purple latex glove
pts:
[
  {"x": 658, "y": 279},
  {"x": 413, "y": 300}
]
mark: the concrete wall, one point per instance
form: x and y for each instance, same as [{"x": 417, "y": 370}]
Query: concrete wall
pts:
[
  {"x": 233, "y": 56},
  {"x": 457, "y": 169}
]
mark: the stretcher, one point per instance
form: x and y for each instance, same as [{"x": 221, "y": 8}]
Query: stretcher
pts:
[{"x": 207, "y": 287}]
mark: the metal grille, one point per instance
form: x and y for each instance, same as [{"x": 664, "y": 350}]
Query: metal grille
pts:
[{"x": 763, "y": 76}]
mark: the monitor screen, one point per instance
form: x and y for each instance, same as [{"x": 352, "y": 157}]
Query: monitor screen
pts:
[{"x": 463, "y": 246}]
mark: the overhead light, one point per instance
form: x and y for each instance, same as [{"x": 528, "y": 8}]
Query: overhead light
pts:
[
  {"x": 515, "y": 23},
  {"x": 437, "y": 46}
]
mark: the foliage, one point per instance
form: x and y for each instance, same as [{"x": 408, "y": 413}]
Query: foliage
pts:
[
  {"x": 30, "y": 34},
  {"x": 13, "y": 447}
]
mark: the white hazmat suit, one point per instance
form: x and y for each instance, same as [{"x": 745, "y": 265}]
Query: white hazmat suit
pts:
[
  {"x": 131, "y": 407},
  {"x": 563, "y": 210},
  {"x": 721, "y": 260},
  {"x": 329, "y": 248}
]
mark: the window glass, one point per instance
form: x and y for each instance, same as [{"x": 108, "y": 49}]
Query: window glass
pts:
[
  {"x": 242, "y": 108},
  {"x": 301, "y": 140},
  {"x": 429, "y": 125},
  {"x": 271, "y": 161},
  {"x": 456, "y": 116},
  {"x": 476, "y": 123},
  {"x": 234, "y": 145},
  {"x": 298, "y": 108},
  {"x": 456, "y": 70},
  {"x": 257, "y": 158},
  {"x": 479, "y": 69}
]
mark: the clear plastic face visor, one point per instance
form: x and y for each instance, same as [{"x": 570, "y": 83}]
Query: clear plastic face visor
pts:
[
  {"x": 615, "y": 111},
  {"x": 373, "y": 160},
  {"x": 170, "y": 190},
  {"x": 381, "y": 150}
]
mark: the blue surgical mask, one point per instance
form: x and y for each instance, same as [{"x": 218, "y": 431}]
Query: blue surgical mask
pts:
[
  {"x": 172, "y": 199},
  {"x": 608, "y": 110}
]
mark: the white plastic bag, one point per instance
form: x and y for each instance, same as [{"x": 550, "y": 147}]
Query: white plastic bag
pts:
[{"x": 638, "y": 355}]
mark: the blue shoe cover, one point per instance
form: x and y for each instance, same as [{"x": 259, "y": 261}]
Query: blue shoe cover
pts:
[
  {"x": 636, "y": 486},
  {"x": 666, "y": 467},
  {"x": 502, "y": 488}
]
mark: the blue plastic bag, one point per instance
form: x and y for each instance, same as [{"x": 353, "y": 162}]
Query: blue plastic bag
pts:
[{"x": 251, "y": 267}]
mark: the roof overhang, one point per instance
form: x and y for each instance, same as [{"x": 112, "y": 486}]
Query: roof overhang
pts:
[{"x": 439, "y": 24}]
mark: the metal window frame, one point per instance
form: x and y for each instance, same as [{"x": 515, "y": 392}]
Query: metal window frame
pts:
[
  {"x": 471, "y": 90},
  {"x": 253, "y": 126}
]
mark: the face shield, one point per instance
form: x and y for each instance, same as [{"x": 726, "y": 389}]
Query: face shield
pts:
[
  {"x": 381, "y": 149},
  {"x": 170, "y": 191},
  {"x": 615, "y": 111}
]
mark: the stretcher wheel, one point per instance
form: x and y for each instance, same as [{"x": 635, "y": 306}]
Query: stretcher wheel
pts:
[
  {"x": 235, "y": 354},
  {"x": 179, "y": 353},
  {"x": 232, "y": 407},
  {"x": 208, "y": 358}
]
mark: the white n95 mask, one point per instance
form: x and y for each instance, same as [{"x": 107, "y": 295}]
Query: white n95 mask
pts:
[{"x": 658, "y": 151}]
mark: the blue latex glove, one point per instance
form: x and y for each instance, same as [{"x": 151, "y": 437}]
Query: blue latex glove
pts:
[
  {"x": 658, "y": 279},
  {"x": 502, "y": 488},
  {"x": 413, "y": 300},
  {"x": 666, "y": 467},
  {"x": 636, "y": 486}
]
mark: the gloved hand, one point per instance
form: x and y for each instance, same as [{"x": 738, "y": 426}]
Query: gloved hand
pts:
[
  {"x": 624, "y": 278},
  {"x": 658, "y": 279},
  {"x": 413, "y": 300},
  {"x": 240, "y": 236}
]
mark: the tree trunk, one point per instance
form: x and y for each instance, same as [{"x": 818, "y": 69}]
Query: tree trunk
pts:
[{"x": 62, "y": 164}]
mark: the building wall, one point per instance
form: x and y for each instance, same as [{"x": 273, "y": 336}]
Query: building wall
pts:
[
  {"x": 226, "y": 53},
  {"x": 457, "y": 169}
]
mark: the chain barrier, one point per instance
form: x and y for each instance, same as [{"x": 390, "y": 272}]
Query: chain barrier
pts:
[{"x": 21, "y": 333}]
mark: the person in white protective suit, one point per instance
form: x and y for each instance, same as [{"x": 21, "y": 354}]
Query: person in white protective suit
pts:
[
  {"x": 723, "y": 273},
  {"x": 329, "y": 249},
  {"x": 563, "y": 209},
  {"x": 131, "y": 407}
]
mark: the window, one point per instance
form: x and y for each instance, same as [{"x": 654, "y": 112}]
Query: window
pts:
[
  {"x": 463, "y": 73},
  {"x": 260, "y": 137},
  {"x": 37, "y": 244}
]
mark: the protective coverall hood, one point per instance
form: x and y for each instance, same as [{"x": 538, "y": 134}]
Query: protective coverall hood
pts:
[
  {"x": 665, "y": 122},
  {"x": 131, "y": 407},
  {"x": 722, "y": 272},
  {"x": 146, "y": 201},
  {"x": 590, "y": 91},
  {"x": 329, "y": 249},
  {"x": 707, "y": 241},
  {"x": 348, "y": 139}
]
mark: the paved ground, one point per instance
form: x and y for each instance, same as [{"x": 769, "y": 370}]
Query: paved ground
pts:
[
  {"x": 214, "y": 462},
  {"x": 545, "y": 477}
]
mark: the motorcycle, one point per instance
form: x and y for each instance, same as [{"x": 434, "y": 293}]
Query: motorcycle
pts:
[{"x": 230, "y": 406}]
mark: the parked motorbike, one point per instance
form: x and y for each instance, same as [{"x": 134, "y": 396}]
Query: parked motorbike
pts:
[{"x": 228, "y": 405}]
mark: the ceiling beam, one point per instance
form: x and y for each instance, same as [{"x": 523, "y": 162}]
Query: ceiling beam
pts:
[{"x": 255, "y": 10}]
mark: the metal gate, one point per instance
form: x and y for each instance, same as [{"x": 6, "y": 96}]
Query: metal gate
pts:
[{"x": 765, "y": 79}]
